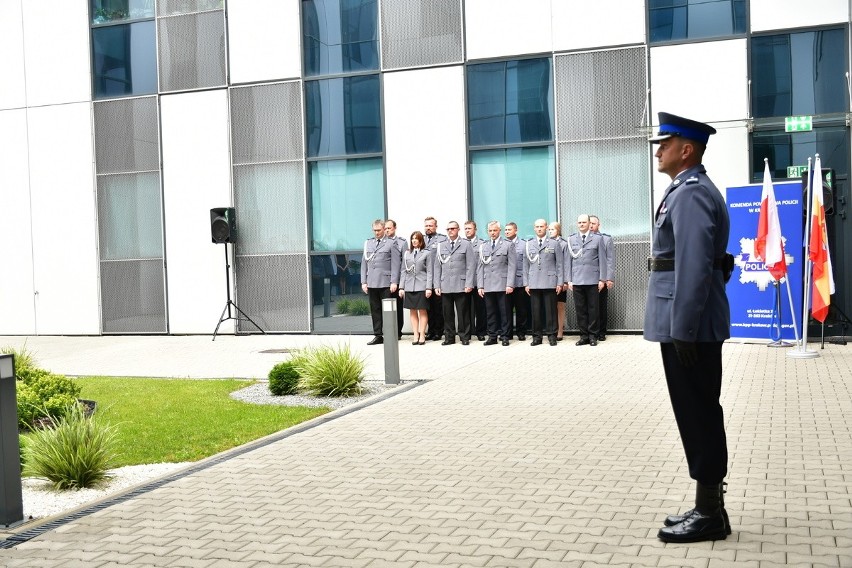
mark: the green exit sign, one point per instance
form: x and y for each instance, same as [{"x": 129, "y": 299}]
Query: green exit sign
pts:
[
  {"x": 798, "y": 124},
  {"x": 796, "y": 171}
]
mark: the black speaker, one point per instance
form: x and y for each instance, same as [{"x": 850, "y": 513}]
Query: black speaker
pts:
[
  {"x": 223, "y": 224},
  {"x": 827, "y": 191}
]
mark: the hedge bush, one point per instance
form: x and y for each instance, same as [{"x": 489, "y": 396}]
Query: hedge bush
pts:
[{"x": 284, "y": 379}]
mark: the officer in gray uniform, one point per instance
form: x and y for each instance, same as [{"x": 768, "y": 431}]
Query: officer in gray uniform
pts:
[
  {"x": 478, "y": 319},
  {"x": 436, "y": 312},
  {"x": 518, "y": 301},
  {"x": 543, "y": 278},
  {"x": 379, "y": 274},
  {"x": 495, "y": 275},
  {"x": 609, "y": 279},
  {"x": 402, "y": 245},
  {"x": 585, "y": 271},
  {"x": 454, "y": 274},
  {"x": 688, "y": 313}
]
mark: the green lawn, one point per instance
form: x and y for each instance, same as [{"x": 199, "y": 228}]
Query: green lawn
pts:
[{"x": 176, "y": 420}]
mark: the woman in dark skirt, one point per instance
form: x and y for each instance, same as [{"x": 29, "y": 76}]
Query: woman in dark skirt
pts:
[
  {"x": 415, "y": 287},
  {"x": 555, "y": 229}
]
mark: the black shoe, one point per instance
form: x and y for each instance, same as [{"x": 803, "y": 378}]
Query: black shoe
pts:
[
  {"x": 448, "y": 342},
  {"x": 552, "y": 341},
  {"x": 376, "y": 340},
  {"x": 602, "y": 337},
  {"x": 536, "y": 341},
  {"x": 583, "y": 341},
  {"x": 593, "y": 342},
  {"x": 491, "y": 341},
  {"x": 480, "y": 337},
  {"x": 697, "y": 527},
  {"x": 522, "y": 337},
  {"x": 673, "y": 520},
  {"x": 465, "y": 341},
  {"x": 559, "y": 338},
  {"x": 505, "y": 343}
]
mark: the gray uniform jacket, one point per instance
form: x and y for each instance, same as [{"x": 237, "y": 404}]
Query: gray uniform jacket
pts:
[
  {"x": 474, "y": 244},
  {"x": 520, "y": 246},
  {"x": 495, "y": 270},
  {"x": 417, "y": 271},
  {"x": 402, "y": 245},
  {"x": 542, "y": 264},
  {"x": 380, "y": 264},
  {"x": 432, "y": 244},
  {"x": 689, "y": 303},
  {"x": 455, "y": 267},
  {"x": 590, "y": 265},
  {"x": 609, "y": 249}
]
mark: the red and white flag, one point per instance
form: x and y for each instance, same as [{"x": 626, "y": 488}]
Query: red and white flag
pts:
[
  {"x": 768, "y": 246},
  {"x": 823, "y": 282}
]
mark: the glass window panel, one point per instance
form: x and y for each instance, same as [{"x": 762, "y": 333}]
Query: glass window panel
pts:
[
  {"x": 124, "y": 58},
  {"x": 104, "y": 11},
  {"x": 510, "y": 102},
  {"x": 343, "y": 116},
  {"x": 346, "y": 197},
  {"x": 795, "y": 148},
  {"x": 339, "y": 36},
  {"x": 130, "y": 216},
  {"x": 799, "y": 74},
  {"x": 513, "y": 184},
  {"x": 176, "y": 7},
  {"x": 690, "y": 19}
]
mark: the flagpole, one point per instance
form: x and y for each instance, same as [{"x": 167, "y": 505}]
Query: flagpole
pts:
[
  {"x": 780, "y": 341},
  {"x": 792, "y": 311},
  {"x": 802, "y": 351}
]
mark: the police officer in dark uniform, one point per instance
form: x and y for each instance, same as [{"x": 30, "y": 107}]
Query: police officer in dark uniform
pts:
[{"x": 687, "y": 312}]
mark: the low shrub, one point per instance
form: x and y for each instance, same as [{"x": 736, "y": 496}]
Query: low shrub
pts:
[
  {"x": 44, "y": 395},
  {"x": 343, "y": 305},
  {"x": 72, "y": 452},
  {"x": 25, "y": 365},
  {"x": 359, "y": 308},
  {"x": 283, "y": 379},
  {"x": 329, "y": 371}
]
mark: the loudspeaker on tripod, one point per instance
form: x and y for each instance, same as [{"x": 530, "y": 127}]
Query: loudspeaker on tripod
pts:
[{"x": 223, "y": 225}]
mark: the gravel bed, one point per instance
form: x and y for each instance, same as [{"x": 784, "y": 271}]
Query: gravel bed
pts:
[{"x": 41, "y": 500}]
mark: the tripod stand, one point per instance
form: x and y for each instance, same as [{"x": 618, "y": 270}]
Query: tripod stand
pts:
[{"x": 230, "y": 302}]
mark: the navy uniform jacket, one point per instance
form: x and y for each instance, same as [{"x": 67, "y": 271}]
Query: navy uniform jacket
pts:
[{"x": 689, "y": 303}]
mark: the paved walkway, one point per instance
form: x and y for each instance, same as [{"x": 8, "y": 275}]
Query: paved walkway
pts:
[{"x": 505, "y": 456}]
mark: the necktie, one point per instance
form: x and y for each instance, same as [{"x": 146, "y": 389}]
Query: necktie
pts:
[
  {"x": 415, "y": 254},
  {"x": 452, "y": 246},
  {"x": 540, "y": 242},
  {"x": 584, "y": 239},
  {"x": 492, "y": 245}
]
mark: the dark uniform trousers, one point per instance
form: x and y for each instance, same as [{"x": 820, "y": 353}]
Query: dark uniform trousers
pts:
[
  {"x": 586, "y": 302},
  {"x": 456, "y": 303},
  {"x": 498, "y": 320},
  {"x": 376, "y": 295},
  {"x": 603, "y": 297},
  {"x": 478, "y": 315},
  {"x": 543, "y": 299},
  {"x": 694, "y": 392},
  {"x": 436, "y": 316},
  {"x": 519, "y": 301}
]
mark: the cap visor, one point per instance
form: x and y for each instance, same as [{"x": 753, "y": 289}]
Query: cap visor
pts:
[{"x": 659, "y": 138}]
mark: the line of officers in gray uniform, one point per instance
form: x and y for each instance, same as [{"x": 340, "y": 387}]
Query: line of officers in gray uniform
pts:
[{"x": 482, "y": 282}]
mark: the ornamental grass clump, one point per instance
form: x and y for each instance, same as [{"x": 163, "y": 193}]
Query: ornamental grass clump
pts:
[
  {"x": 359, "y": 308},
  {"x": 343, "y": 305},
  {"x": 284, "y": 379},
  {"x": 72, "y": 452},
  {"x": 329, "y": 371}
]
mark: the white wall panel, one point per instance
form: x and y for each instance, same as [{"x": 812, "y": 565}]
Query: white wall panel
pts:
[
  {"x": 196, "y": 178},
  {"x": 719, "y": 92},
  {"x": 726, "y": 159},
  {"x": 779, "y": 14},
  {"x": 65, "y": 244},
  {"x": 56, "y": 46},
  {"x": 499, "y": 28},
  {"x": 265, "y": 40},
  {"x": 16, "y": 286},
  {"x": 583, "y": 25},
  {"x": 12, "y": 91},
  {"x": 425, "y": 157}
]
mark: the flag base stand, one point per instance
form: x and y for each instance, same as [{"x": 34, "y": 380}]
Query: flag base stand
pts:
[
  {"x": 802, "y": 354},
  {"x": 780, "y": 343}
]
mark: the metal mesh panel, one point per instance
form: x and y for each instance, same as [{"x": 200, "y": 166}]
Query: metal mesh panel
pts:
[
  {"x": 266, "y": 123},
  {"x": 133, "y": 296},
  {"x": 424, "y": 32},
  {"x": 192, "y": 51},
  {"x": 126, "y": 135},
  {"x": 130, "y": 216},
  {"x": 175, "y": 7},
  {"x": 626, "y": 304},
  {"x": 601, "y": 94},
  {"x": 270, "y": 202},
  {"x": 273, "y": 291}
]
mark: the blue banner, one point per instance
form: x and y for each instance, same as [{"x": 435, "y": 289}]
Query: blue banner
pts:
[{"x": 751, "y": 292}]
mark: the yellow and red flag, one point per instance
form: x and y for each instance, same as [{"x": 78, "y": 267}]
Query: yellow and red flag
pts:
[
  {"x": 768, "y": 246},
  {"x": 823, "y": 276}
]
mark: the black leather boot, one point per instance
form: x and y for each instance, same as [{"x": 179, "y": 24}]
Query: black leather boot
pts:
[
  {"x": 672, "y": 520},
  {"x": 705, "y": 521}
]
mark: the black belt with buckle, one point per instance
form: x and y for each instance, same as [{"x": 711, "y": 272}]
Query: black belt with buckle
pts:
[{"x": 668, "y": 264}]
